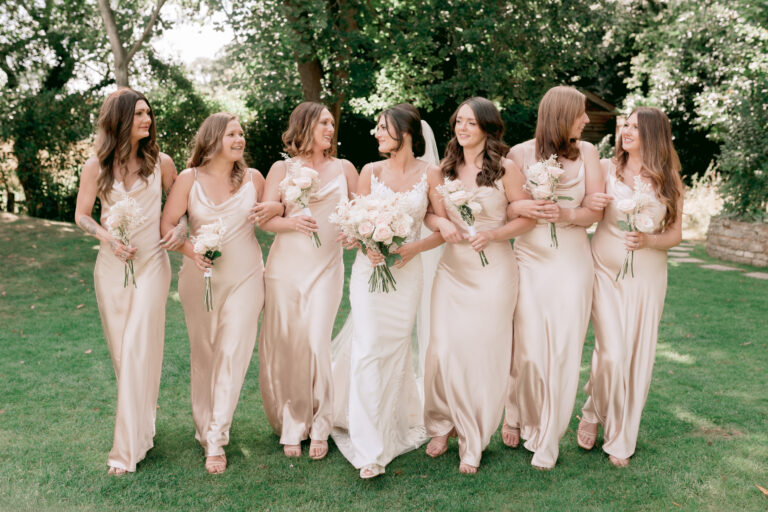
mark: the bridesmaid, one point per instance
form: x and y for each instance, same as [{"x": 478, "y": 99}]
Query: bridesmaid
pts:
[
  {"x": 626, "y": 313},
  {"x": 555, "y": 298},
  {"x": 470, "y": 345},
  {"x": 303, "y": 288},
  {"x": 128, "y": 163},
  {"x": 217, "y": 186}
]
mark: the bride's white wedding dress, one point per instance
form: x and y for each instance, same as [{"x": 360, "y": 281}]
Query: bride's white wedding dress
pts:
[{"x": 378, "y": 390}]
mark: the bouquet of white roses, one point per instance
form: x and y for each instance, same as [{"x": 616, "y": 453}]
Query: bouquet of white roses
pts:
[
  {"x": 208, "y": 243},
  {"x": 378, "y": 224},
  {"x": 637, "y": 220},
  {"x": 123, "y": 219},
  {"x": 542, "y": 179},
  {"x": 456, "y": 196},
  {"x": 297, "y": 187}
]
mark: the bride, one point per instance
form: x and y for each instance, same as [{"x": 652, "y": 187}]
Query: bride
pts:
[{"x": 378, "y": 398}]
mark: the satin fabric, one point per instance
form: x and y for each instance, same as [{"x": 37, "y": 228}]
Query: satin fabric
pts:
[
  {"x": 625, "y": 317},
  {"x": 221, "y": 341},
  {"x": 470, "y": 346},
  {"x": 304, "y": 285},
  {"x": 551, "y": 323},
  {"x": 378, "y": 408},
  {"x": 133, "y": 320}
]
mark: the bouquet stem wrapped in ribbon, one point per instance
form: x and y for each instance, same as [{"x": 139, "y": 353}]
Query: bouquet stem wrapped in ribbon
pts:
[
  {"x": 125, "y": 216},
  {"x": 379, "y": 225},
  {"x": 297, "y": 187},
  {"x": 637, "y": 220},
  {"x": 456, "y": 196},
  {"x": 208, "y": 243},
  {"x": 542, "y": 180}
]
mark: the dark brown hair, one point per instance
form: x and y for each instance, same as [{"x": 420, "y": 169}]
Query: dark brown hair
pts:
[
  {"x": 489, "y": 121},
  {"x": 297, "y": 139},
  {"x": 113, "y": 138},
  {"x": 560, "y": 107},
  {"x": 401, "y": 119},
  {"x": 207, "y": 143},
  {"x": 660, "y": 161}
]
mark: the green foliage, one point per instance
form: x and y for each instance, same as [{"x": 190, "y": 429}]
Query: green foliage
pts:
[{"x": 179, "y": 109}]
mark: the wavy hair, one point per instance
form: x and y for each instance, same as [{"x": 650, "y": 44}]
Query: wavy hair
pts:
[
  {"x": 113, "y": 138},
  {"x": 660, "y": 161},
  {"x": 207, "y": 143},
  {"x": 489, "y": 121},
  {"x": 404, "y": 118},
  {"x": 298, "y": 138},
  {"x": 560, "y": 107}
]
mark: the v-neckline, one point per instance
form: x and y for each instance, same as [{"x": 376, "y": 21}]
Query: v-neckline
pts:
[{"x": 207, "y": 198}]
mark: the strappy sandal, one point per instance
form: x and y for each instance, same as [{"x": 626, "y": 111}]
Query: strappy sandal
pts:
[
  {"x": 441, "y": 448},
  {"x": 292, "y": 450},
  {"x": 617, "y": 462},
  {"x": 586, "y": 434},
  {"x": 216, "y": 464},
  {"x": 371, "y": 471},
  {"x": 318, "y": 449},
  {"x": 510, "y": 436}
]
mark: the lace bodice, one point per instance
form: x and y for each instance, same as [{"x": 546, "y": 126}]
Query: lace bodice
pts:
[{"x": 415, "y": 200}]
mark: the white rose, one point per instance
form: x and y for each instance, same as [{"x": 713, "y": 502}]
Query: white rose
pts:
[
  {"x": 541, "y": 192},
  {"x": 365, "y": 228},
  {"x": 644, "y": 223},
  {"x": 555, "y": 171},
  {"x": 302, "y": 182},
  {"x": 474, "y": 206},
  {"x": 292, "y": 193},
  {"x": 626, "y": 205},
  {"x": 383, "y": 233},
  {"x": 401, "y": 228},
  {"x": 308, "y": 172},
  {"x": 459, "y": 197}
]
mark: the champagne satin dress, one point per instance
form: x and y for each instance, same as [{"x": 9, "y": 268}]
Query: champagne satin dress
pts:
[
  {"x": 470, "y": 346},
  {"x": 221, "y": 341},
  {"x": 133, "y": 320},
  {"x": 625, "y": 317},
  {"x": 378, "y": 407},
  {"x": 551, "y": 323},
  {"x": 304, "y": 286}
]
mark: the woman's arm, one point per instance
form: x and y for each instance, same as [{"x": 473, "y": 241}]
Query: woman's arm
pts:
[
  {"x": 175, "y": 238},
  {"x": 86, "y": 197},
  {"x": 437, "y": 220},
  {"x": 595, "y": 183},
  {"x": 670, "y": 237},
  {"x": 263, "y": 211},
  {"x": 350, "y": 173}
]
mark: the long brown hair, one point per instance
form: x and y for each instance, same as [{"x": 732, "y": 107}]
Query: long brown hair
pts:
[
  {"x": 207, "y": 143},
  {"x": 660, "y": 161},
  {"x": 560, "y": 107},
  {"x": 113, "y": 138},
  {"x": 404, "y": 118},
  {"x": 298, "y": 138},
  {"x": 489, "y": 121}
]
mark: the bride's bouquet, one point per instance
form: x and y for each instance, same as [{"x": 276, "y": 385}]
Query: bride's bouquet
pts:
[
  {"x": 542, "y": 180},
  {"x": 456, "y": 196},
  {"x": 637, "y": 220},
  {"x": 124, "y": 217},
  {"x": 208, "y": 243},
  {"x": 297, "y": 187},
  {"x": 378, "y": 224}
]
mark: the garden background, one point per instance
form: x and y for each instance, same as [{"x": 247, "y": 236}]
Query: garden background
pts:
[{"x": 704, "y": 437}]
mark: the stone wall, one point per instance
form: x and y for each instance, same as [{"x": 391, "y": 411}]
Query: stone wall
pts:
[{"x": 742, "y": 242}]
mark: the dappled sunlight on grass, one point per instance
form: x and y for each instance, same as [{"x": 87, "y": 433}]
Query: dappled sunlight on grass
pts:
[{"x": 663, "y": 350}]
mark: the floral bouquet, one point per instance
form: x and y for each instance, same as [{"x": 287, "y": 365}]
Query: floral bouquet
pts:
[
  {"x": 124, "y": 217},
  {"x": 456, "y": 196},
  {"x": 208, "y": 243},
  {"x": 637, "y": 220},
  {"x": 297, "y": 187},
  {"x": 542, "y": 179},
  {"x": 379, "y": 225}
]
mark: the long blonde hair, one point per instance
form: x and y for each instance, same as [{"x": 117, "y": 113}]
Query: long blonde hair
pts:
[
  {"x": 207, "y": 143},
  {"x": 560, "y": 107},
  {"x": 660, "y": 161},
  {"x": 298, "y": 138},
  {"x": 113, "y": 138}
]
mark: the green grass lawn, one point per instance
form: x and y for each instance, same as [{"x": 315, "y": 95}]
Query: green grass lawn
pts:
[{"x": 703, "y": 442}]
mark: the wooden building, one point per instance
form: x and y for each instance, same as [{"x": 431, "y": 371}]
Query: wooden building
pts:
[{"x": 602, "y": 118}]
